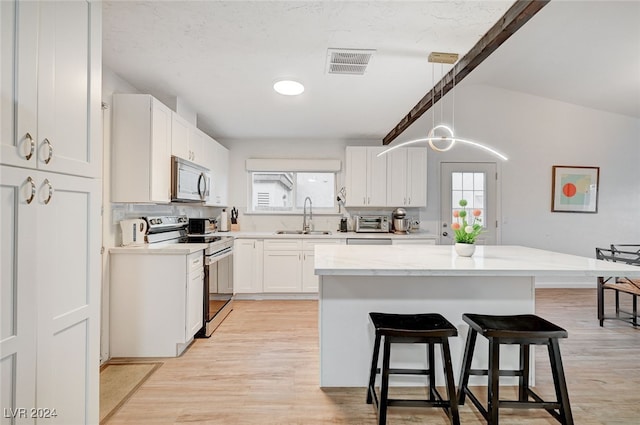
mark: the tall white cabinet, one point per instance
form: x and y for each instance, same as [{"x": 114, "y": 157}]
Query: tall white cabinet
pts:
[{"x": 50, "y": 162}]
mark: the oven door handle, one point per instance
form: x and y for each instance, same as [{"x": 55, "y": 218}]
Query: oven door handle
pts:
[{"x": 210, "y": 259}]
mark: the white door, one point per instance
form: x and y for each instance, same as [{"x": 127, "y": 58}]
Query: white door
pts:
[
  {"x": 476, "y": 182},
  {"x": 69, "y": 115},
  {"x": 18, "y": 309},
  {"x": 18, "y": 83},
  {"x": 68, "y": 276}
]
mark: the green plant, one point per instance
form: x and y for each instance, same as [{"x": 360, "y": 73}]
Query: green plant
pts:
[{"x": 466, "y": 232}]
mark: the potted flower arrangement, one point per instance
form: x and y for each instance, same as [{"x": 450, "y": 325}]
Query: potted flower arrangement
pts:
[{"x": 466, "y": 231}]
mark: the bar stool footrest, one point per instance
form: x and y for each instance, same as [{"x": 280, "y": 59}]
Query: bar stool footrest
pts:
[{"x": 408, "y": 371}]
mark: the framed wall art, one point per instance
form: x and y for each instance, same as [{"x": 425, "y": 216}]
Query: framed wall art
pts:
[{"x": 575, "y": 189}]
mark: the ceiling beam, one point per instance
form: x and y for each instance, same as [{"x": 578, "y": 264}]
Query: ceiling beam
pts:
[{"x": 509, "y": 23}]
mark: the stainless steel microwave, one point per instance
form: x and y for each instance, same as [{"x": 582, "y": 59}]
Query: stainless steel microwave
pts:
[
  {"x": 372, "y": 223},
  {"x": 189, "y": 182}
]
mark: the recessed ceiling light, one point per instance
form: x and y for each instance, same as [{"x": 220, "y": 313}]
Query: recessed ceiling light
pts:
[{"x": 288, "y": 87}]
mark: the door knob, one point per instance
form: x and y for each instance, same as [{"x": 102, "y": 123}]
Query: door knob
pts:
[{"x": 445, "y": 234}]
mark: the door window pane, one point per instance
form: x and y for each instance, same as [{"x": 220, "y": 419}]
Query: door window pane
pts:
[{"x": 470, "y": 187}]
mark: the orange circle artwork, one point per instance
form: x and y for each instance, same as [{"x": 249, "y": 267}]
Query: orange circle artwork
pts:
[{"x": 569, "y": 190}]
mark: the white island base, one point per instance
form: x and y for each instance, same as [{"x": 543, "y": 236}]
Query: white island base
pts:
[
  {"x": 500, "y": 280},
  {"x": 347, "y": 335}
]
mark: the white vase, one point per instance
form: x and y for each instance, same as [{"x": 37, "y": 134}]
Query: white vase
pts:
[{"x": 465, "y": 249}]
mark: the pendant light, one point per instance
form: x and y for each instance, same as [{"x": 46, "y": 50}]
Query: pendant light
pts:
[{"x": 441, "y": 137}]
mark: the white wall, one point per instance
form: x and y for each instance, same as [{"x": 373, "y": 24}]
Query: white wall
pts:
[{"x": 537, "y": 133}]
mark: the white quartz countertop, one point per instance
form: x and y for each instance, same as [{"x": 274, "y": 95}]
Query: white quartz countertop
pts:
[
  {"x": 442, "y": 260},
  {"x": 160, "y": 248}
]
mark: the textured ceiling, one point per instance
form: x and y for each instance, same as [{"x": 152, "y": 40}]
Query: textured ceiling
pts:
[{"x": 222, "y": 58}]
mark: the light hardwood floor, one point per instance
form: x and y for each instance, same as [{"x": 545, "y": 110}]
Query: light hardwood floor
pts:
[{"x": 261, "y": 367}]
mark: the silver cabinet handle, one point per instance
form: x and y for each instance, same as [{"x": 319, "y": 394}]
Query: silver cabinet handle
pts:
[
  {"x": 46, "y": 161},
  {"x": 48, "y": 183},
  {"x": 32, "y": 147},
  {"x": 409, "y": 203},
  {"x": 33, "y": 190}
]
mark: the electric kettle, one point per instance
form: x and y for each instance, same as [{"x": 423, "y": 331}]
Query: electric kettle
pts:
[{"x": 133, "y": 231}]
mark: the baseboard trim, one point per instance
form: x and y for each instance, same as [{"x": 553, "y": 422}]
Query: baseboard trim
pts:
[{"x": 272, "y": 296}]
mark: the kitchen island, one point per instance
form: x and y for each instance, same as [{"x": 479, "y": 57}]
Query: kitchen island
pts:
[{"x": 356, "y": 280}]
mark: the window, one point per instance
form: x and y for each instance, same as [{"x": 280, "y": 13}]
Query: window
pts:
[
  {"x": 468, "y": 186},
  {"x": 285, "y": 191}
]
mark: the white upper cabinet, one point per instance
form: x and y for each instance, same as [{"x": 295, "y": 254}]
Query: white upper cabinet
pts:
[
  {"x": 141, "y": 149},
  {"x": 180, "y": 137},
  {"x": 187, "y": 141},
  {"x": 197, "y": 143},
  {"x": 366, "y": 177},
  {"x": 50, "y": 86},
  {"x": 218, "y": 163},
  {"x": 407, "y": 177}
]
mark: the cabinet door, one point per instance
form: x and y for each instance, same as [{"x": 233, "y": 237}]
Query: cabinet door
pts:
[
  {"x": 195, "y": 294},
  {"x": 197, "y": 147},
  {"x": 19, "y": 49},
  {"x": 219, "y": 164},
  {"x": 180, "y": 137},
  {"x": 69, "y": 113},
  {"x": 18, "y": 310},
  {"x": 282, "y": 271},
  {"x": 221, "y": 172},
  {"x": 160, "y": 167},
  {"x": 310, "y": 281},
  {"x": 356, "y": 176},
  {"x": 376, "y": 177},
  {"x": 417, "y": 177},
  {"x": 397, "y": 178},
  {"x": 68, "y": 276},
  {"x": 247, "y": 266}
]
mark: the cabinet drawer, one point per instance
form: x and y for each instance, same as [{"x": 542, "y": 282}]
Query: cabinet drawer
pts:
[
  {"x": 309, "y": 244},
  {"x": 195, "y": 261},
  {"x": 282, "y": 244}
]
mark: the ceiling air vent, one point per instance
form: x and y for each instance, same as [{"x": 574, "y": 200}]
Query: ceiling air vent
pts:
[{"x": 348, "y": 61}]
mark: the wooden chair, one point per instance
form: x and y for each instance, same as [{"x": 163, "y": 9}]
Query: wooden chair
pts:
[{"x": 627, "y": 254}]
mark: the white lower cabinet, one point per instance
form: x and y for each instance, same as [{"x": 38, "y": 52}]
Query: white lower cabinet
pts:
[
  {"x": 247, "y": 266},
  {"x": 155, "y": 303},
  {"x": 289, "y": 264}
]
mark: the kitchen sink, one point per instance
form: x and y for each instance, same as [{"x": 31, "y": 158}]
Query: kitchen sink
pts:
[{"x": 300, "y": 232}]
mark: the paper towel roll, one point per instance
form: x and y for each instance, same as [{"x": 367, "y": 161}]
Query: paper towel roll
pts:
[{"x": 224, "y": 221}]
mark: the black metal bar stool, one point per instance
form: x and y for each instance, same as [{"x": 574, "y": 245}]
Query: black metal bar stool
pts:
[
  {"x": 427, "y": 329},
  {"x": 523, "y": 330}
]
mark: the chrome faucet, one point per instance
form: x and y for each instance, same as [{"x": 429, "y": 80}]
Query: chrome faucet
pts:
[{"x": 305, "y": 224}]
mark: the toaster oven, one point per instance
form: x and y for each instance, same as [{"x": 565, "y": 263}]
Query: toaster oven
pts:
[{"x": 372, "y": 224}]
